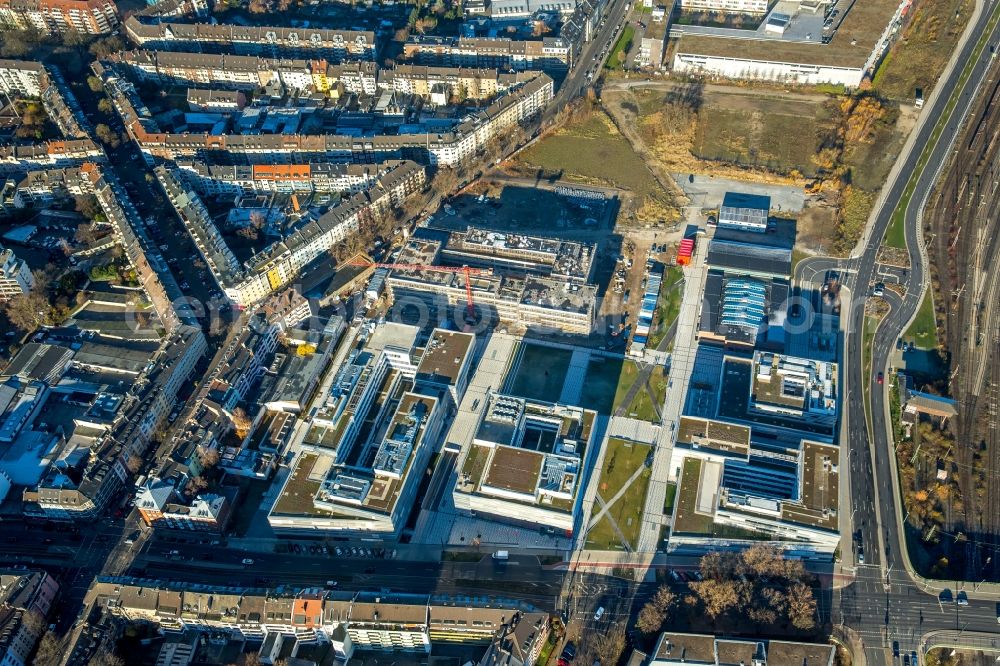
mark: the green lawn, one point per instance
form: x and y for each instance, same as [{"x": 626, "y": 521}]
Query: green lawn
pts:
[
  {"x": 620, "y": 50},
  {"x": 627, "y": 513},
  {"x": 667, "y": 308},
  {"x": 607, "y": 382},
  {"x": 590, "y": 150},
  {"x": 621, "y": 459},
  {"x": 687, "y": 521},
  {"x": 923, "y": 330},
  {"x": 642, "y": 405},
  {"x": 541, "y": 372},
  {"x": 668, "y": 499}
]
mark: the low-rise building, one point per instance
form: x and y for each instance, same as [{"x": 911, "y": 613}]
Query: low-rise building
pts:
[
  {"x": 847, "y": 57},
  {"x": 757, "y": 7},
  {"x": 208, "y": 99}
]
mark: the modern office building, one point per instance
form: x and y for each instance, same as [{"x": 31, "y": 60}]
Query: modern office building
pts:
[
  {"x": 525, "y": 462},
  {"x": 526, "y": 281},
  {"x": 376, "y": 423}
]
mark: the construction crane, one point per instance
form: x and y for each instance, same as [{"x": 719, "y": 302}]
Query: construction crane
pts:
[{"x": 470, "y": 310}]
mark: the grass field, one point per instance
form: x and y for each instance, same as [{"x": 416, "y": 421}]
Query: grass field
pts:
[
  {"x": 920, "y": 56},
  {"x": 778, "y": 134},
  {"x": 591, "y": 150},
  {"x": 620, "y": 50},
  {"x": 923, "y": 330},
  {"x": 607, "y": 382},
  {"x": 621, "y": 459},
  {"x": 669, "y": 498},
  {"x": 669, "y": 305},
  {"x": 627, "y": 513},
  {"x": 642, "y": 405},
  {"x": 541, "y": 372}
]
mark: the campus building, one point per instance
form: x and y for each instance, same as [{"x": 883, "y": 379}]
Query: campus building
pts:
[
  {"x": 526, "y": 281},
  {"x": 726, "y": 6},
  {"x": 677, "y": 649},
  {"x": 525, "y": 463},
  {"x": 90, "y": 17},
  {"x": 377, "y": 421}
]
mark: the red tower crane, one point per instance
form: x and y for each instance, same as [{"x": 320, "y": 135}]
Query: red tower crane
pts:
[{"x": 470, "y": 310}]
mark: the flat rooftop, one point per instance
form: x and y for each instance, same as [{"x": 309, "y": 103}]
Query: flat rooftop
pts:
[
  {"x": 689, "y": 648},
  {"x": 711, "y": 434},
  {"x": 850, "y": 46},
  {"x": 516, "y": 470},
  {"x": 820, "y": 498},
  {"x": 444, "y": 355}
]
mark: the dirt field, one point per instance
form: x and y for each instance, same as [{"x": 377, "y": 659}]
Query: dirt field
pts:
[
  {"x": 590, "y": 149},
  {"x": 759, "y": 131},
  {"x": 920, "y": 56}
]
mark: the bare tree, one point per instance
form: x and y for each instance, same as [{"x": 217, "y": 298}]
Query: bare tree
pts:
[
  {"x": 801, "y": 606},
  {"x": 655, "y": 612},
  {"x": 241, "y": 422},
  {"x": 49, "y": 651},
  {"x": 209, "y": 457}
]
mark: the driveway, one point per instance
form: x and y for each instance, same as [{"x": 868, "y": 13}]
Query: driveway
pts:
[{"x": 707, "y": 192}]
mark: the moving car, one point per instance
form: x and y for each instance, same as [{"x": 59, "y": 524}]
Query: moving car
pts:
[
  {"x": 881, "y": 378},
  {"x": 247, "y": 561}
]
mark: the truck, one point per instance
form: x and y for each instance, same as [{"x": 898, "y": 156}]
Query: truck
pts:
[
  {"x": 501, "y": 556},
  {"x": 918, "y": 99}
]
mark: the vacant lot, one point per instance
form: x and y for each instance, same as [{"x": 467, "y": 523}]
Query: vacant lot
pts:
[
  {"x": 589, "y": 149},
  {"x": 541, "y": 372},
  {"x": 777, "y": 134},
  {"x": 923, "y": 330},
  {"x": 524, "y": 209},
  {"x": 920, "y": 56}
]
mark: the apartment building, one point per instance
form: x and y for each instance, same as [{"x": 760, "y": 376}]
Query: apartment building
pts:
[
  {"x": 91, "y": 17},
  {"x": 49, "y": 155},
  {"x": 277, "y": 266},
  {"x": 23, "y": 594},
  {"x": 372, "y": 621},
  {"x": 21, "y": 77},
  {"x": 547, "y": 54},
  {"x": 79, "y": 487},
  {"x": 274, "y": 41},
  {"x": 15, "y": 276},
  {"x": 522, "y": 101},
  {"x": 325, "y": 177}
]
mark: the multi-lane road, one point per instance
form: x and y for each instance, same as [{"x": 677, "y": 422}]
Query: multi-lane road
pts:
[{"x": 885, "y": 605}]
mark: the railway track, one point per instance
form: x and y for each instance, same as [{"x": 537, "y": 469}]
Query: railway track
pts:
[{"x": 964, "y": 226}]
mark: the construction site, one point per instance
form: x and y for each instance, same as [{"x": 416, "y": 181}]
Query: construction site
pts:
[{"x": 962, "y": 229}]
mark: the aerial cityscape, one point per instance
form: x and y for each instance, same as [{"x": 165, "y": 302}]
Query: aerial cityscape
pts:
[{"x": 499, "y": 332}]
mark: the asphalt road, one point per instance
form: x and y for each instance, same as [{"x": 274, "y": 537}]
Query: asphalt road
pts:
[{"x": 885, "y": 606}]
